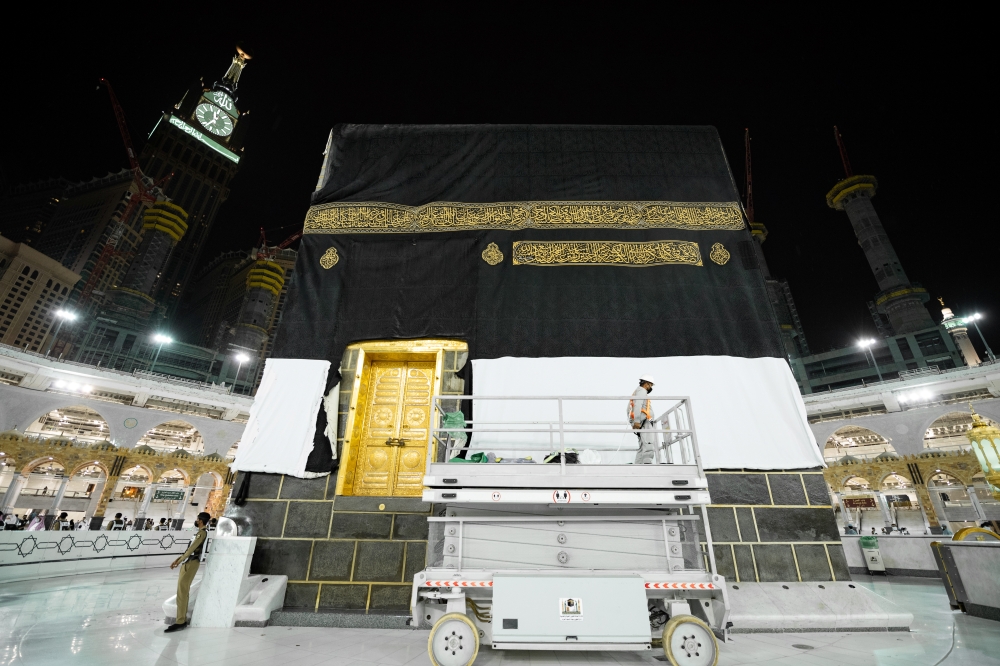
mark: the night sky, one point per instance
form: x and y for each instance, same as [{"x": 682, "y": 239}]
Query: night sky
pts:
[{"x": 909, "y": 93}]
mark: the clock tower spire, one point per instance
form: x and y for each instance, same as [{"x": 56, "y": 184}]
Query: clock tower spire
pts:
[{"x": 232, "y": 76}]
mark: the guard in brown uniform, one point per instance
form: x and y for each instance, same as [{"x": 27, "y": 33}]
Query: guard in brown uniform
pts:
[{"x": 189, "y": 563}]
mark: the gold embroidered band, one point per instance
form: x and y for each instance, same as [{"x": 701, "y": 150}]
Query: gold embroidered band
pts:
[
  {"x": 605, "y": 253},
  {"x": 354, "y": 217}
]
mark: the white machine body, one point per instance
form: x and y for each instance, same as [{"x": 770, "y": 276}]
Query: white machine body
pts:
[{"x": 569, "y": 556}]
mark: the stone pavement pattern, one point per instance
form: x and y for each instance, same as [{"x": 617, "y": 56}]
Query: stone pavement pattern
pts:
[{"x": 111, "y": 619}]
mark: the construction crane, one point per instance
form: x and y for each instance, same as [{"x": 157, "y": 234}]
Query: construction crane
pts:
[
  {"x": 748, "y": 186},
  {"x": 265, "y": 252},
  {"x": 143, "y": 195},
  {"x": 848, "y": 171}
]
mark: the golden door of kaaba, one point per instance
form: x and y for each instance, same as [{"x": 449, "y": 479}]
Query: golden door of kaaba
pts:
[
  {"x": 394, "y": 421},
  {"x": 388, "y": 415}
]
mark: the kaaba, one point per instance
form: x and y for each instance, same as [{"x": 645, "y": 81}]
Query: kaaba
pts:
[{"x": 530, "y": 260}]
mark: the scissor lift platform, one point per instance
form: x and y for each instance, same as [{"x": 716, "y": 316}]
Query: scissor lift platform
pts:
[{"x": 569, "y": 556}]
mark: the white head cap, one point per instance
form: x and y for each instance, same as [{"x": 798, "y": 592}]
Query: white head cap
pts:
[{"x": 647, "y": 378}]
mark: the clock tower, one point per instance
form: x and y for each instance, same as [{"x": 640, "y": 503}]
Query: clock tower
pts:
[{"x": 200, "y": 140}]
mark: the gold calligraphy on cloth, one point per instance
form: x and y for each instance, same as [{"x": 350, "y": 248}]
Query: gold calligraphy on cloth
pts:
[
  {"x": 606, "y": 253},
  {"x": 378, "y": 217}
]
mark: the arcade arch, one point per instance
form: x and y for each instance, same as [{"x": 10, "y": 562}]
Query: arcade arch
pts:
[
  {"x": 896, "y": 481},
  {"x": 44, "y": 478},
  {"x": 944, "y": 480},
  {"x": 857, "y": 483},
  {"x": 136, "y": 474},
  {"x": 174, "y": 476},
  {"x": 77, "y": 422},
  {"x": 172, "y": 436},
  {"x": 856, "y": 441},
  {"x": 949, "y": 432}
]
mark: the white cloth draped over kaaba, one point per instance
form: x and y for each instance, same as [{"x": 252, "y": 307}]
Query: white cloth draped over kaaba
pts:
[
  {"x": 748, "y": 413},
  {"x": 280, "y": 432}
]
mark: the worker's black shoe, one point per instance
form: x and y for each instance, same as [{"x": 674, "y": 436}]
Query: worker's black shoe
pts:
[{"x": 175, "y": 627}]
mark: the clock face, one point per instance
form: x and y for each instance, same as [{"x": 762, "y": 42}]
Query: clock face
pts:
[{"x": 214, "y": 119}]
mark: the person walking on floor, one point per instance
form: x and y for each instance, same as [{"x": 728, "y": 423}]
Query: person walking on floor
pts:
[
  {"x": 189, "y": 563},
  {"x": 640, "y": 416},
  {"x": 62, "y": 523},
  {"x": 117, "y": 524},
  {"x": 162, "y": 527}
]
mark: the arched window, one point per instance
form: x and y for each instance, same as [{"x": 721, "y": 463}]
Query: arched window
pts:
[
  {"x": 25, "y": 271},
  {"x": 34, "y": 275},
  {"x": 856, "y": 441}
]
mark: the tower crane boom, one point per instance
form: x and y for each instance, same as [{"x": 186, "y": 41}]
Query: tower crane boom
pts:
[{"x": 143, "y": 194}]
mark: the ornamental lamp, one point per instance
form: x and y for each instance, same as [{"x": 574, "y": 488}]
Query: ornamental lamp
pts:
[{"x": 985, "y": 440}]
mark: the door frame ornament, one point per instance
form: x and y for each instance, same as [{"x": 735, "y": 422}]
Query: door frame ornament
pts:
[{"x": 425, "y": 349}]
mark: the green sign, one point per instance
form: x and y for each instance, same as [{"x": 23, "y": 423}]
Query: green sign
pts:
[
  {"x": 190, "y": 131},
  {"x": 224, "y": 101},
  {"x": 168, "y": 495}
]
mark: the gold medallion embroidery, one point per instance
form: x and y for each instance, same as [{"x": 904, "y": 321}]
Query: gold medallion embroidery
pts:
[
  {"x": 606, "y": 253},
  {"x": 329, "y": 258},
  {"x": 380, "y": 217},
  {"x": 492, "y": 254},
  {"x": 719, "y": 254}
]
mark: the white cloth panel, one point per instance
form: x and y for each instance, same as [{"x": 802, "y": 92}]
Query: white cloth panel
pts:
[
  {"x": 747, "y": 412},
  {"x": 279, "y": 435}
]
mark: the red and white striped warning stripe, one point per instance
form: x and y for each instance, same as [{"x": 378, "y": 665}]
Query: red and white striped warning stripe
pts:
[
  {"x": 458, "y": 583},
  {"x": 680, "y": 586}
]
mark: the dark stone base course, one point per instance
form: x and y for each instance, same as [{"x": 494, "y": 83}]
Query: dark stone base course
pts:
[
  {"x": 908, "y": 573},
  {"x": 819, "y": 630},
  {"x": 340, "y": 619},
  {"x": 392, "y": 504},
  {"x": 986, "y": 612},
  {"x": 239, "y": 623}
]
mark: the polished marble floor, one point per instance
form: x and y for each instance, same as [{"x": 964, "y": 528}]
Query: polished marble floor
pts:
[{"x": 116, "y": 619}]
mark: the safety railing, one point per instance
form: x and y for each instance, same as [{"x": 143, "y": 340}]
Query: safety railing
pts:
[{"x": 555, "y": 426}]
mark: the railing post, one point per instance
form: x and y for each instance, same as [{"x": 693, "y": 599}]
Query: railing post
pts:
[
  {"x": 708, "y": 537},
  {"x": 562, "y": 440}
]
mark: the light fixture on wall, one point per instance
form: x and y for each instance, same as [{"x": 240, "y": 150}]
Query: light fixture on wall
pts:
[{"x": 985, "y": 440}]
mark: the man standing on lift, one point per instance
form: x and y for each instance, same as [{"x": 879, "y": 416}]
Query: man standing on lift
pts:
[{"x": 640, "y": 415}]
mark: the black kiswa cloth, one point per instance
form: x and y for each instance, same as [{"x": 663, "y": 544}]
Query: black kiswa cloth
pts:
[
  {"x": 418, "y": 164},
  {"x": 438, "y": 285}
]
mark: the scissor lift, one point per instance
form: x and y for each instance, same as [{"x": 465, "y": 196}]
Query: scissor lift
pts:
[{"x": 561, "y": 556}]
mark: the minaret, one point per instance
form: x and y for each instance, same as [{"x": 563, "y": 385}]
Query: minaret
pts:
[
  {"x": 900, "y": 300},
  {"x": 960, "y": 334}
]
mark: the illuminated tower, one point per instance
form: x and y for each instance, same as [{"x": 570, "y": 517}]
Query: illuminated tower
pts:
[
  {"x": 960, "y": 334},
  {"x": 901, "y": 301},
  {"x": 200, "y": 140}
]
